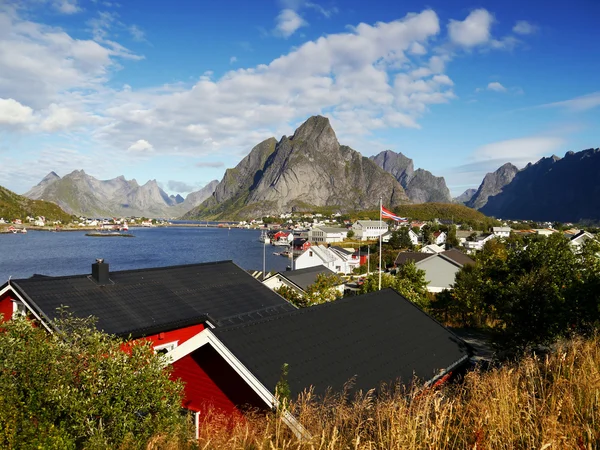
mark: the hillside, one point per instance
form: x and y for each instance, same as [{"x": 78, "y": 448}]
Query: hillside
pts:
[
  {"x": 492, "y": 184},
  {"x": 553, "y": 189},
  {"x": 13, "y": 206},
  {"x": 309, "y": 169}
]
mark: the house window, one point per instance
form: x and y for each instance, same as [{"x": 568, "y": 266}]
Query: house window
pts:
[
  {"x": 19, "y": 309},
  {"x": 310, "y": 254},
  {"x": 165, "y": 348}
]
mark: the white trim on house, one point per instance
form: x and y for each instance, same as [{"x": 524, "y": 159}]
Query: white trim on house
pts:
[
  {"x": 169, "y": 346},
  {"x": 206, "y": 336},
  {"x": 22, "y": 300}
]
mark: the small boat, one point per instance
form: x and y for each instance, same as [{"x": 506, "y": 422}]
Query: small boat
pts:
[
  {"x": 264, "y": 237},
  {"x": 23, "y": 230},
  {"x": 124, "y": 227}
]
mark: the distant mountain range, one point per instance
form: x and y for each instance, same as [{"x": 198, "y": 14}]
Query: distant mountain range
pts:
[
  {"x": 421, "y": 186},
  {"x": 305, "y": 171},
  {"x": 82, "y": 194},
  {"x": 553, "y": 189}
]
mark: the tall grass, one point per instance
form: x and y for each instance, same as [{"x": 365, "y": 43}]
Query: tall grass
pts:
[{"x": 550, "y": 402}]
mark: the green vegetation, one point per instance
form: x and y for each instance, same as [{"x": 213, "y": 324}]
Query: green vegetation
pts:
[
  {"x": 78, "y": 388},
  {"x": 323, "y": 290},
  {"x": 14, "y": 206},
  {"x": 536, "y": 403},
  {"x": 530, "y": 291}
]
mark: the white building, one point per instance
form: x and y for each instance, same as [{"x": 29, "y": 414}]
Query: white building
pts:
[
  {"x": 327, "y": 235},
  {"x": 432, "y": 248},
  {"x": 414, "y": 237},
  {"x": 478, "y": 243},
  {"x": 334, "y": 259},
  {"x": 439, "y": 238},
  {"x": 501, "y": 232},
  {"x": 300, "y": 279},
  {"x": 369, "y": 229}
]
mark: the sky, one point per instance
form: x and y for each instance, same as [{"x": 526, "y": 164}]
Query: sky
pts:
[{"x": 180, "y": 90}]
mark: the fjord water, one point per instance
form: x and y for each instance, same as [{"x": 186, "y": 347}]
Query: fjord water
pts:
[{"x": 69, "y": 253}]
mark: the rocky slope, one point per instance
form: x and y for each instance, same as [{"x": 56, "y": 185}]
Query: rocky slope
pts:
[
  {"x": 81, "y": 194},
  {"x": 421, "y": 186},
  {"x": 554, "y": 189},
  {"x": 465, "y": 197},
  {"x": 193, "y": 199},
  {"x": 492, "y": 184},
  {"x": 309, "y": 169}
]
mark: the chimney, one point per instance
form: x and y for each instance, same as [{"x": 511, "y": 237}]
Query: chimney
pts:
[{"x": 100, "y": 272}]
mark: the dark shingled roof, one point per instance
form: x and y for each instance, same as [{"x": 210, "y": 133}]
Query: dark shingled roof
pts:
[
  {"x": 404, "y": 257},
  {"x": 458, "y": 257},
  {"x": 147, "y": 301},
  {"x": 303, "y": 278},
  {"x": 377, "y": 337}
]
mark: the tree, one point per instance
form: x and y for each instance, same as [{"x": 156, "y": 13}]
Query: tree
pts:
[
  {"x": 400, "y": 239},
  {"x": 77, "y": 388},
  {"x": 291, "y": 295},
  {"x": 452, "y": 240},
  {"x": 323, "y": 290},
  {"x": 350, "y": 234},
  {"x": 427, "y": 235}
]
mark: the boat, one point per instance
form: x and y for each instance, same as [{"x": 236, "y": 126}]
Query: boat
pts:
[
  {"x": 124, "y": 227},
  {"x": 23, "y": 230},
  {"x": 264, "y": 237}
]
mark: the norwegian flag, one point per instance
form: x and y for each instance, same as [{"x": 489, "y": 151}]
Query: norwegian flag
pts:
[{"x": 386, "y": 214}]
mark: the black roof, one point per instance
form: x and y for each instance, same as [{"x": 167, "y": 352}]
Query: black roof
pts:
[
  {"x": 147, "y": 301},
  {"x": 303, "y": 278},
  {"x": 404, "y": 257},
  {"x": 377, "y": 337},
  {"x": 458, "y": 257}
]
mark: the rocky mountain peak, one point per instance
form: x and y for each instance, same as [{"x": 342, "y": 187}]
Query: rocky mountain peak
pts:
[
  {"x": 492, "y": 184},
  {"x": 316, "y": 130}
]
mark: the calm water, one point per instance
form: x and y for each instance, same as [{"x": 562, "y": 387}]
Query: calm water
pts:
[{"x": 68, "y": 253}]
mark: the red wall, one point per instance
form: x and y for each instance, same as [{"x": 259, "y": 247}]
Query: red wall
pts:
[
  {"x": 6, "y": 306},
  {"x": 211, "y": 383},
  {"x": 181, "y": 335}
]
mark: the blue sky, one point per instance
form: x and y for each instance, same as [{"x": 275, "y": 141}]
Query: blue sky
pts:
[{"x": 178, "y": 91}]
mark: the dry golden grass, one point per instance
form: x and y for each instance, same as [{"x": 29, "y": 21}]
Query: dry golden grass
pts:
[{"x": 539, "y": 403}]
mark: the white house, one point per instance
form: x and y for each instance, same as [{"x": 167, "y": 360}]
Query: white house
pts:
[
  {"x": 432, "y": 248},
  {"x": 321, "y": 255},
  {"x": 369, "y": 229},
  {"x": 501, "y": 232},
  {"x": 478, "y": 243},
  {"x": 414, "y": 237},
  {"x": 579, "y": 239},
  {"x": 348, "y": 256},
  {"x": 439, "y": 237},
  {"x": 327, "y": 235},
  {"x": 300, "y": 279}
]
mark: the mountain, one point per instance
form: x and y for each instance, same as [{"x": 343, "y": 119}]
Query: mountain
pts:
[
  {"x": 420, "y": 185},
  {"x": 492, "y": 184},
  {"x": 553, "y": 189},
  {"x": 465, "y": 197},
  {"x": 81, "y": 194},
  {"x": 14, "y": 206},
  {"x": 193, "y": 199},
  {"x": 308, "y": 170}
]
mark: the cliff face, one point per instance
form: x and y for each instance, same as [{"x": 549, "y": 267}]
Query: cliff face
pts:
[
  {"x": 492, "y": 184},
  {"x": 421, "y": 186},
  {"x": 465, "y": 197},
  {"x": 553, "y": 189},
  {"x": 81, "y": 194},
  {"x": 308, "y": 169}
]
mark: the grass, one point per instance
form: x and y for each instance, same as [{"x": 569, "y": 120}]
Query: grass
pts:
[{"x": 546, "y": 402}]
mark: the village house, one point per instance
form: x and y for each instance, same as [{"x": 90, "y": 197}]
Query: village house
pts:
[
  {"x": 578, "y": 238},
  {"x": 334, "y": 258},
  {"x": 414, "y": 237},
  {"x": 300, "y": 279},
  {"x": 327, "y": 235},
  {"x": 478, "y": 243},
  {"x": 440, "y": 268},
  {"x": 226, "y": 335},
  {"x": 369, "y": 229},
  {"x": 439, "y": 237},
  {"x": 501, "y": 232},
  {"x": 432, "y": 248}
]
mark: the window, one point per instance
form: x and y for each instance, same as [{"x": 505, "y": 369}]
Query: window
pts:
[
  {"x": 19, "y": 309},
  {"x": 165, "y": 348},
  {"x": 310, "y": 253}
]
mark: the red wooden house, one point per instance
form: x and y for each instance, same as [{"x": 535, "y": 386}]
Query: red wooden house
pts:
[{"x": 227, "y": 335}]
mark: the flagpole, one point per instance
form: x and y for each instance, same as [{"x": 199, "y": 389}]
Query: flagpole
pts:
[{"x": 380, "y": 233}]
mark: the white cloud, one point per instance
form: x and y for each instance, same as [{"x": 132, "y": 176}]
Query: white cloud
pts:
[
  {"x": 288, "y": 22},
  {"x": 519, "y": 151},
  {"x": 233, "y": 59},
  {"x": 474, "y": 30},
  {"x": 137, "y": 33},
  {"x": 14, "y": 113},
  {"x": 141, "y": 145},
  {"x": 66, "y": 6},
  {"x": 577, "y": 104},
  {"x": 496, "y": 87},
  {"x": 524, "y": 27}
]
